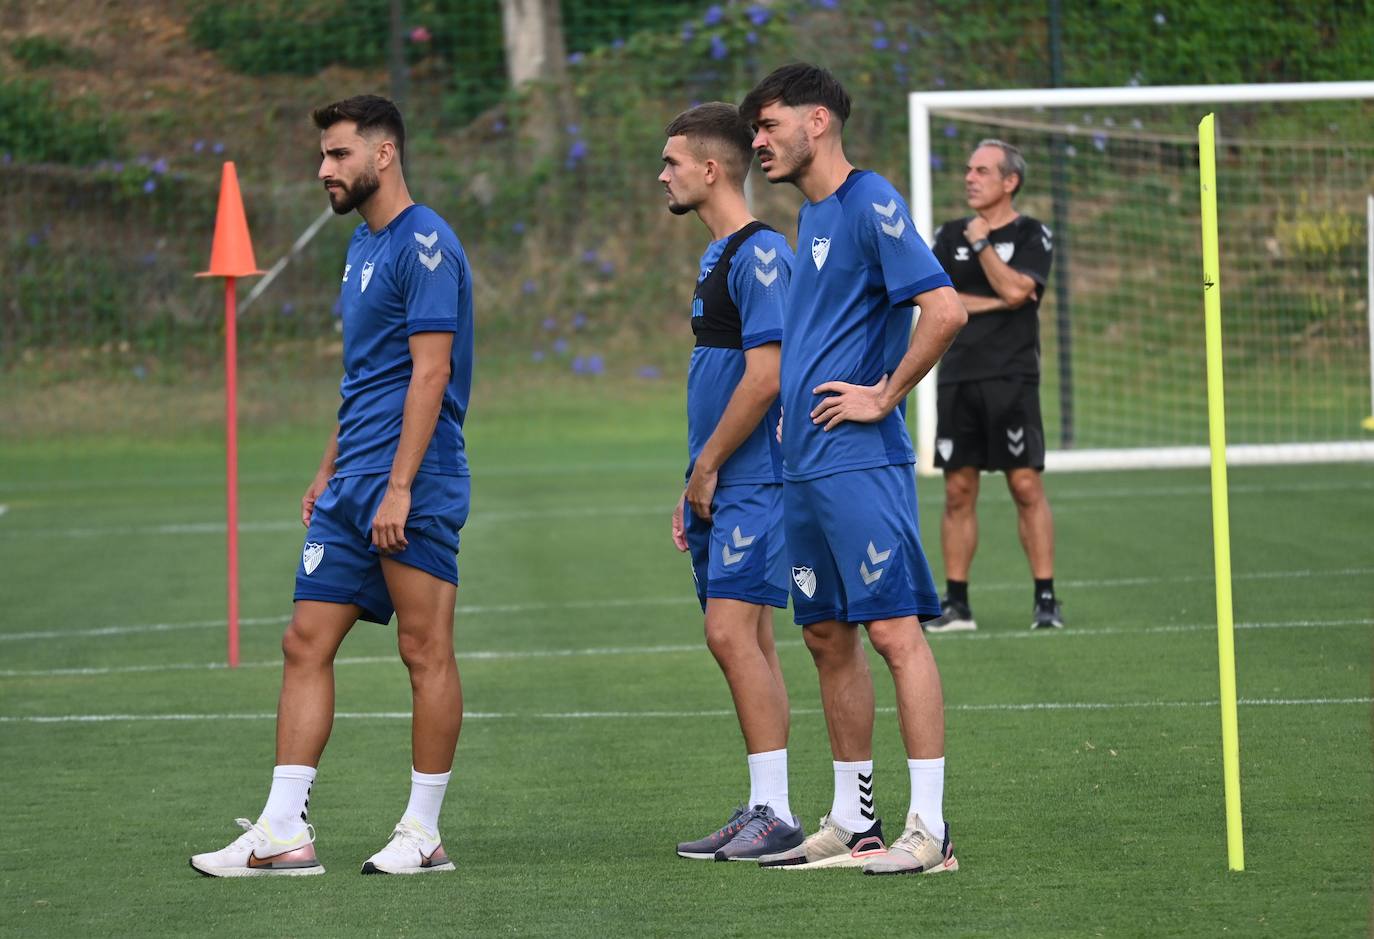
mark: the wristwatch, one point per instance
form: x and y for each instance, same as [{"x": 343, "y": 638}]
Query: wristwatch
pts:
[{"x": 979, "y": 245}]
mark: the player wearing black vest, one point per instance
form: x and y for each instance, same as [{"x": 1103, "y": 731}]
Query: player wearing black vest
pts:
[
  {"x": 989, "y": 381},
  {"x": 730, "y": 516}
]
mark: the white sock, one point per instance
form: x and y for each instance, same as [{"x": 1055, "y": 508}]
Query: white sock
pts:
[
  {"x": 928, "y": 793},
  {"x": 289, "y": 801},
  {"x": 768, "y": 782},
  {"x": 426, "y": 798},
  {"x": 852, "y": 807}
]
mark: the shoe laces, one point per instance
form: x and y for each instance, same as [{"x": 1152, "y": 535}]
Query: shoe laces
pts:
[
  {"x": 760, "y": 824},
  {"x": 254, "y": 835},
  {"x": 913, "y": 839},
  {"x": 409, "y": 836}
]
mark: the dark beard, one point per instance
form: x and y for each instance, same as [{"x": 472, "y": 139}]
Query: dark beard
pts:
[
  {"x": 350, "y": 197},
  {"x": 678, "y": 208},
  {"x": 802, "y": 157}
]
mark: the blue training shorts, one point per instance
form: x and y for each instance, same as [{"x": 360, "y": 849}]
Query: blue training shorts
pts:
[
  {"x": 855, "y": 548},
  {"x": 738, "y": 553},
  {"x": 339, "y": 563}
]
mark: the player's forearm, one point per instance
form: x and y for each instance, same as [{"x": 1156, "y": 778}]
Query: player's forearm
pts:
[
  {"x": 1013, "y": 287},
  {"x": 331, "y": 454},
  {"x": 942, "y": 316},
  {"x": 747, "y": 406},
  {"x": 424, "y": 398},
  {"x": 975, "y": 304}
]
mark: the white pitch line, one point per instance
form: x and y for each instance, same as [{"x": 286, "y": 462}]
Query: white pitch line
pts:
[
  {"x": 482, "y": 518},
  {"x": 660, "y": 714},
  {"x": 500, "y": 654},
  {"x": 679, "y": 600}
]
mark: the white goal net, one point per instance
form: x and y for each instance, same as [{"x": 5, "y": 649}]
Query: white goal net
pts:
[{"x": 1115, "y": 173}]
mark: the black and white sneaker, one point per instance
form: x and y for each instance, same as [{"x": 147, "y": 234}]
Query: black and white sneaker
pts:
[
  {"x": 1048, "y": 613},
  {"x": 955, "y": 617}
]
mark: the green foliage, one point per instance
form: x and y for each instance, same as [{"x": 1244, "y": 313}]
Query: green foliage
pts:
[
  {"x": 265, "y": 37},
  {"x": 35, "y": 126},
  {"x": 35, "y": 52}
]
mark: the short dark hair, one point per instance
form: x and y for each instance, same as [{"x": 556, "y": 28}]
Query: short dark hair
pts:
[
  {"x": 370, "y": 113},
  {"x": 794, "y": 85},
  {"x": 719, "y": 123}
]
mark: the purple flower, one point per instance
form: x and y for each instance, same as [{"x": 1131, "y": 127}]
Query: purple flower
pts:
[
  {"x": 288, "y": 308},
  {"x": 218, "y": 147},
  {"x": 758, "y": 15},
  {"x": 939, "y": 82},
  {"x": 7, "y": 158},
  {"x": 589, "y": 256},
  {"x": 149, "y": 259},
  {"x": 498, "y": 126},
  {"x": 880, "y": 43},
  {"x": 573, "y": 129},
  {"x": 608, "y": 268},
  {"x": 160, "y": 166},
  {"x": 718, "y": 48},
  {"x": 576, "y": 154},
  {"x": 879, "y": 26},
  {"x": 936, "y": 163},
  {"x": 751, "y": 37},
  {"x": 549, "y": 324},
  {"x": 537, "y": 355},
  {"x": 595, "y": 365},
  {"x": 117, "y": 167},
  {"x": 714, "y": 14},
  {"x": 560, "y": 346},
  {"x": 617, "y": 43},
  {"x": 576, "y": 58},
  {"x": 198, "y": 146},
  {"x": 649, "y": 372},
  {"x": 149, "y": 186},
  {"x": 529, "y": 287},
  {"x": 1100, "y": 142},
  {"x": 951, "y": 130},
  {"x": 903, "y": 46},
  {"x": 35, "y": 239},
  {"x": 579, "y": 365},
  {"x": 518, "y": 227},
  {"x": 826, "y": 4},
  {"x": 579, "y": 321},
  {"x": 688, "y": 33}
]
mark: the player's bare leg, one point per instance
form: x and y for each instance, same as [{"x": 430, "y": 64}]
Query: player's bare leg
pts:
[
  {"x": 735, "y": 633},
  {"x": 1034, "y": 521},
  {"x": 846, "y": 687},
  {"x": 959, "y": 524},
  {"x": 424, "y": 637},
  {"x": 924, "y": 845},
  {"x": 305, "y": 708},
  {"x": 959, "y": 540}
]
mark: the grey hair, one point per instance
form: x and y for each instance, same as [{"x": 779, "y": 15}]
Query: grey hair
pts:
[{"x": 1012, "y": 161}]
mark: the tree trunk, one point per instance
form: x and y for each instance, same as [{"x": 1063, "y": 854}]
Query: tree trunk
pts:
[{"x": 536, "y": 64}]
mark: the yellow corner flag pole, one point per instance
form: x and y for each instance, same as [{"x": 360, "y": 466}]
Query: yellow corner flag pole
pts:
[{"x": 1221, "y": 526}]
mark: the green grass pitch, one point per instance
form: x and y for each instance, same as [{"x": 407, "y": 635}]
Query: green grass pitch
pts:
[{"x": 1084, "y": 767}]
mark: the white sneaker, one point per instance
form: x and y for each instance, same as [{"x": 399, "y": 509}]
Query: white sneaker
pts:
[
  {"x": 411, "y": 850},
  {"x": 258, "y": 853}
]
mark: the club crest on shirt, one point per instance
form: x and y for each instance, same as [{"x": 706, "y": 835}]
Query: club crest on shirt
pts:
[
  {"x": 312, "y": 556},
  {"x": 820, "y": 250},
  {"x": 805, "y": 579},
  {"x": 1005, "y": 249},
  {"x": 365, "y": 277}
]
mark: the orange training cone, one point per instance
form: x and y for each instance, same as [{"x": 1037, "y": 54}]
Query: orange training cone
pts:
[{"x": 231, "y": 255}]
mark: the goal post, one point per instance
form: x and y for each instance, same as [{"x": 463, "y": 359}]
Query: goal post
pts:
[{"x": 1294, "y": 189}]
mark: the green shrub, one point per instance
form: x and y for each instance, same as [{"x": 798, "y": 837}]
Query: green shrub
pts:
[
  {"x": 40, "y": 51},
  {"x": 36, "y": 127}
]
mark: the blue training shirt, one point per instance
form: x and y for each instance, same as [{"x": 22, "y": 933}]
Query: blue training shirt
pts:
[
  {"x": 759, "y": 275},
  {"x": 410, "y": 277},
  {"x": 849, "y": 319}
]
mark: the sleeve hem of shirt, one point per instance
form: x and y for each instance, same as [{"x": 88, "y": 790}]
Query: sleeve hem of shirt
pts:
[
  {"x": 430, "y": 326},
  {"x": 906, "y": 295},
  {"x": 761, "y": 339}
]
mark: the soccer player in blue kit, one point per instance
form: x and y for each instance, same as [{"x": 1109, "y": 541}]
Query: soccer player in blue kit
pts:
[
  {"x": 384, "y": 510},
  {"x": 849, "y": 359},
  {"x": 730, "y": 516}
]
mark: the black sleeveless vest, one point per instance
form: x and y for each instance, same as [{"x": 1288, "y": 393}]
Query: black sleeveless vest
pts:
[{"x": 719, "y": 326}]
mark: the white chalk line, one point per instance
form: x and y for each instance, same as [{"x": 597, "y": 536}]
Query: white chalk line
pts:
[
  {"x": 670, "y": 649},
  {"x": 483, "y": 518},
  {"x": 665, "y": 714},
  {"x": 678, "y": 600}
]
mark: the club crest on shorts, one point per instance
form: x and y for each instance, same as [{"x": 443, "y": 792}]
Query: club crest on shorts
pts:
[
  {"x": 945, "y": 447},
  {"x": 820, "y": 250},
  {"x": 805, "y": 579},
  {"x": 312, "y": 556}
]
